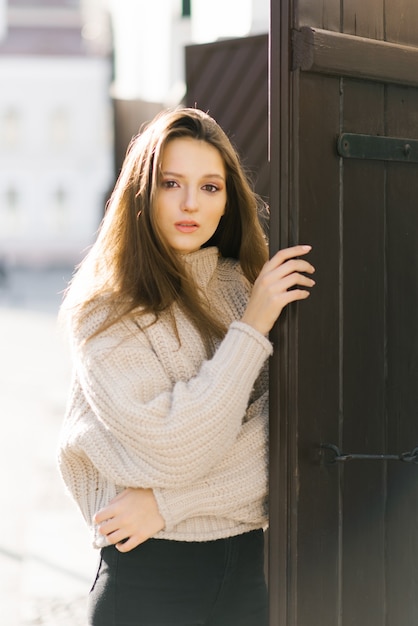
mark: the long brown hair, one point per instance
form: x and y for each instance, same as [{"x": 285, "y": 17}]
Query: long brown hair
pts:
[{"x": 130, "y": 266}]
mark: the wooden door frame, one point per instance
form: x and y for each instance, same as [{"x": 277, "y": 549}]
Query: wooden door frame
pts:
[{"x": 282, "y": 400}]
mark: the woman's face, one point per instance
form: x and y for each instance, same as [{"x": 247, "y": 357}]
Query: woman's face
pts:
[{"x": 191, "y": 194}]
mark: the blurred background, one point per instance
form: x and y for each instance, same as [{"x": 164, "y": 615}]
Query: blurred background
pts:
[{"x": 77, "y": 80}]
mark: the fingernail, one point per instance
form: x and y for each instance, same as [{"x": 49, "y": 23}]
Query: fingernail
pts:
[{"x": 307, "y": 247}]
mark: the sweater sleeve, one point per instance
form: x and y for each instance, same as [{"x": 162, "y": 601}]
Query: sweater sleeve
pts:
[
  {"x": 236, "y": 489},
  {"x": 176, "y": 435}
]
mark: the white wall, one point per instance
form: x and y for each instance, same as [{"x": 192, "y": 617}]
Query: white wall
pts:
[
  {"x": 56, "y": 159},
  {"x": 220, "y": 19},
  {"x": 260, "y": 16},
  {"x": 143, "y": 36},
  {"x": 3, "y": 23}
]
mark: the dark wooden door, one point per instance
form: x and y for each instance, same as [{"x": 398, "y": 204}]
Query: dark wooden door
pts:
[{"x": 344, "y": 534}]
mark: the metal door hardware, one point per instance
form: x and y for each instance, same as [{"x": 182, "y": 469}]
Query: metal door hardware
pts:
[
  {"x": 377, "y": 147},
  {"x": 334, "y": 455}
]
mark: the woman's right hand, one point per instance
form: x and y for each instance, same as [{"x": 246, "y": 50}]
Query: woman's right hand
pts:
[
  {"x": 131, "y": 518},
  {"x": 276, "y": 286}
]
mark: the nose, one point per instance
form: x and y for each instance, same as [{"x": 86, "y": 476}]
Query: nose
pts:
[{"x": 190, "y": 200}]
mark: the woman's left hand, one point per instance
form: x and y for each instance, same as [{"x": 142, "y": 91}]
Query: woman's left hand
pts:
[{"x": 130, "y": 519}]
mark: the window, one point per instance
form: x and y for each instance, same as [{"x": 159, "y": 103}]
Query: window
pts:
[
  {"x": 10, "y": 127},
  {"x": 59, "y": 214},
  {"x": 186, "y": 8},
  {"x": 10, "y": 216},
  {"x": 59, "y": 125},
  {"x": 11, "y": 200}
]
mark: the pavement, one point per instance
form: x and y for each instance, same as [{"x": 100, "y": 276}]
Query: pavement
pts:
[{"x": 47, "y": 563}]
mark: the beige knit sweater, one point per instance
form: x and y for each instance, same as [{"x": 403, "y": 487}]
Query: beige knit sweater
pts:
[{"x": 145, "y": 411}]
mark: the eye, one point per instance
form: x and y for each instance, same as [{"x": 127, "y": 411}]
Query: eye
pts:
[
  {"x": 169, "y": 184},
  {"x": 211, "y": 188}
]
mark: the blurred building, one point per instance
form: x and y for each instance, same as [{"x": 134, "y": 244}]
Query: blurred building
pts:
[
  {"x": 149, "y": 51},
  {"x": 56, "y": 152},
  {"x": 77, "y": 80},
  {"x": 2, "y": 18}
]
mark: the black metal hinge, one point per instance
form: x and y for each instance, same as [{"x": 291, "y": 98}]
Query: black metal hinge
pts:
[
  {"x": 334, "y": 455},
  {"x": 377, "y": 147}
]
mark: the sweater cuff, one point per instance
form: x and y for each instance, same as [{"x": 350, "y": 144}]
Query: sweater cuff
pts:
[
  {"x": 252, "y": 332},
  {"x": 173, "y": 507},
  {"x": 244, "y": 351}
]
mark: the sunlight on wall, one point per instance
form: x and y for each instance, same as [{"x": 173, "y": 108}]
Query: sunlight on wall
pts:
[
  {"x": 142, "y": 39},
  {"x": 220, "y": 18}
]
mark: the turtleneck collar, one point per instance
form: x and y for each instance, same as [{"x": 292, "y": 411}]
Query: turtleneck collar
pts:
[{"x": 202, "y": 264}]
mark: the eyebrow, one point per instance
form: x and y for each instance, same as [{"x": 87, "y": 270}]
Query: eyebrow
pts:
[{"x": 177, "y": 175}]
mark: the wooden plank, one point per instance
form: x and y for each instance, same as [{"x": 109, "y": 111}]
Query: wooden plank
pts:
[
  {"x": 402, "y": 357},
  {"x": 318, "y": 380},
  {"x": 401, "y": 18},
  {"x": 319, "y": 13},
  {"x": 325, "y": 52},
  {"x": 363, "y": 572},
  {"x": 402, "y": 540},
  {"x": 364, "y": 19}
]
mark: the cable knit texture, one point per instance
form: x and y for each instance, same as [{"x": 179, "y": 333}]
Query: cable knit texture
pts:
[{"x": 148, "y": 411}]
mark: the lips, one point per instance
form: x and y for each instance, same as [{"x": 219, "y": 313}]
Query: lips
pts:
[{"x": 186, "y": 226}]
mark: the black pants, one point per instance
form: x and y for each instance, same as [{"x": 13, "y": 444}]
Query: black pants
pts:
[{"x": 176, "y": 583}]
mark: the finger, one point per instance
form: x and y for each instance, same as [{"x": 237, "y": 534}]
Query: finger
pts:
[
  {"x": 277, "y": 282},
  {"x": 104, "y": 515},
  {"x": 289, "y": 253},
  {"x": 294, "y": 280},
  {"x": 118, "y": 536},
  {"x": 295, "y": 294},
  {"x": 109, "y": 526},
  {"x": 111, "y": 509},
  {"x": 130, "y": 543},
  {"x": 291, "y": 267}
]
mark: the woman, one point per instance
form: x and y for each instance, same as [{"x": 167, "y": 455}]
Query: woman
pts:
[{"x": 164, "y": 445}]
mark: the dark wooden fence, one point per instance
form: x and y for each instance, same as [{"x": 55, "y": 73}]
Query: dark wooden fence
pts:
[{"x": 229, "y": 80}]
